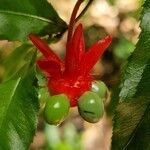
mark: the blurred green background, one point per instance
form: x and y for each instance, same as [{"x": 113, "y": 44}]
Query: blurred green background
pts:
[{"x": 119, "y": 18}]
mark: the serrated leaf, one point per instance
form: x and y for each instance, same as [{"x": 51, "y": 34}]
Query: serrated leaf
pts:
[
  {"x": 18, "y": 62},
  {"x": 128, "y": 117},
  {"x": 18, "y": 117},
  {"x": 140, "y": 140},
  {"x": 132, "y": 121},
  {"x": 138, "y": 61},
  {"x": 19, "y": 18}
]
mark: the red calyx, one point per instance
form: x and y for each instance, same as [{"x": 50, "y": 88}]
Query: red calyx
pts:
[{"x": 71, "y": 76}]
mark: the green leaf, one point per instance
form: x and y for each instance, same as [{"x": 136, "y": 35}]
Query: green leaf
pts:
[
  {"x": 132, "y": 121},
  {"x": 139, "y": 60},
  {"x": 18, "y": 62},
  {"x": 127, "y": 123},
  {"x": 19, "y": 18},
  {"x": 18, "y": 100},
  {"x": 18, "y": 117},
  {"x": 140, "y": 140}
]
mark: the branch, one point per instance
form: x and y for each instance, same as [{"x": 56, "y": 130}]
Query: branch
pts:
[
  {"x": 84, "y": 10},
  {"x": 72, "y": 19}
]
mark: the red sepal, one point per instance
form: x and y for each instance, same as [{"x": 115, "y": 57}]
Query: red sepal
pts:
[
  {"x": 75, "y": 51},
  {"x": 72, "y": 77},
  {"x": 51, "y": 68},
  {"x": 90, "y": 58},
  {"x": 44, "y": 48}
]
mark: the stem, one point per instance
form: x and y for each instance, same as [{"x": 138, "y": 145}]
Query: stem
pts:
[
  {"x": 84, "y": 10},
  {"x": 72, "y": 19},
  {"x": 75, "y": 19}
]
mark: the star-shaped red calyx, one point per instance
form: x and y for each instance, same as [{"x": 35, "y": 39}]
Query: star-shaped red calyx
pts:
[{"x": 70, "y": 76}]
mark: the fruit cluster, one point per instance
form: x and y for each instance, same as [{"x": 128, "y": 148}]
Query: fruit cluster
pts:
[
  {"x": 90, "y": 105},
  {"x": 70, "y": 82}
]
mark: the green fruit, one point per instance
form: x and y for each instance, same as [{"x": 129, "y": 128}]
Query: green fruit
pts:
[
  {"x": 99, "y": 88},
  {"x": 56, "y": 109},
  {"x": 91, "y": 107}
]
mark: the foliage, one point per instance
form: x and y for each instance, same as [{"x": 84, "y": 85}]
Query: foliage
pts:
[
  {"x": 22, "y": 57},
  {"x": 19, "y": 18},
  {"x": 131, "y": 121},
  {"x": 18, "y": 94},
  {"x": 18, "y": 117},
  {"x": 19, "y": 104}
]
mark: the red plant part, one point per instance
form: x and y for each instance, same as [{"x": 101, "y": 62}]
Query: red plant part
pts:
[{"x": 71, "y": 76}]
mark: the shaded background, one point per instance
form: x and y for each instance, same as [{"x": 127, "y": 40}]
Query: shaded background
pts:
[{"x": 118, "y": 18}]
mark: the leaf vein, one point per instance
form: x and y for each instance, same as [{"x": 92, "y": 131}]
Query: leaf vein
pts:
[
  {"x": 13, "y": 93},
  {"x": 26, "y": 15}
]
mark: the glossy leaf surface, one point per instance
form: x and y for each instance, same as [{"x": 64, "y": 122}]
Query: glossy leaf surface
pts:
[
  {"x": 19, "y": 18},
  {"x": 132, "y": 121},
  {"x": 18, "y": 117}
]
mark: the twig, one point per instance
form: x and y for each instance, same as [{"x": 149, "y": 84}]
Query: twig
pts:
[
  {"x": 84, "y": 10},
  {"x": 72, "y": 19}
]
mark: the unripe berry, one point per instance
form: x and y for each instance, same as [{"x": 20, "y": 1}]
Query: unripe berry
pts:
[
  {"x": 56, "y": 109},
  {"x": 99, "y": 88},
  {"x": 91, "y": 107}
]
